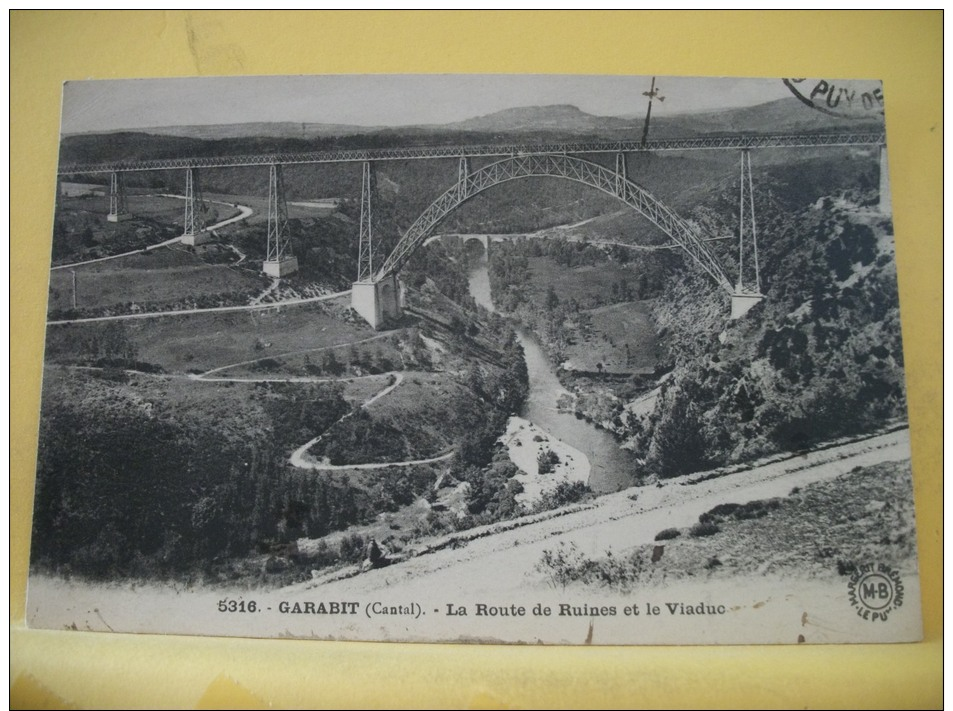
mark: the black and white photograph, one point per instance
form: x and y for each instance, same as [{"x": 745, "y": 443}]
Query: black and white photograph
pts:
[{"x": 557, "y": 359}]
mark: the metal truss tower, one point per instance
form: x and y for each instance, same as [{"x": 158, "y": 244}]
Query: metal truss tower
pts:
[
  {"x": 749, "y": 275},
  {"x": 194, "y": 209},
  {"x": 463, "y": 172},
  {"x": 279, "y": 260},
  {"x": 117, "y": 199},
  {"x": 279, "y": 239},
  {"x": 747, "y": 293},
  {"x": 365, "y": 255}
]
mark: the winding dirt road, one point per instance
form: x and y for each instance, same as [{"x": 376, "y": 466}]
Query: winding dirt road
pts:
[{"x": 299, "y": 456}]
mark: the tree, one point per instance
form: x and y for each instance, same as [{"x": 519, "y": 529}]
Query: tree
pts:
[
  {"x": 330, "y": 363},
  {"x": 547, "y": 461}
]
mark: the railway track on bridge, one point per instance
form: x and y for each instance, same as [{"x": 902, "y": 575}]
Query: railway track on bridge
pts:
[{"x": 485, "y": 150}]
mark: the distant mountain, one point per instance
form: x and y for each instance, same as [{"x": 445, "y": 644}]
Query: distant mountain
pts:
[
  {"x": 557, "y": 121},
  {"x": 560, "y": 117},
  {"x": 786, "y": 115},
  {"x": 780, "y": 116}
]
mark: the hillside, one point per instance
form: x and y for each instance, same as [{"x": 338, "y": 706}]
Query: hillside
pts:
[{"x": 821, "y": 357}]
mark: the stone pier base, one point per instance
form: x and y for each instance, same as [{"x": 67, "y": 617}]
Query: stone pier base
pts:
[
  {"x": 280, "y": 267},
  {"x": 118, "y": 217},
  {"x": 196, "y": 239},
  {"x": 742, "y": 303},
  {"x": 377, "y": 302}
]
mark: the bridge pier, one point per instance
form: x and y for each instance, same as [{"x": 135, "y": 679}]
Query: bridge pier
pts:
[
  {"x": 194, "y": 211},
  {"x": 117, "y": 199},
  {"x": 742, "y": 302},
  {"x": 279, "y": 261},
  {"x": 377, "y": 302},
  {"x": 365, "y": 251},
  {"x": 747, "y": 293},
  {"x": 278, "y": 268}
]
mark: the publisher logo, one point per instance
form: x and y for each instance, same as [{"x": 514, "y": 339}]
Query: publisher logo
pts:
[
  {"x": 875, "y": 591},
  {"x": 846, "y": 99}
]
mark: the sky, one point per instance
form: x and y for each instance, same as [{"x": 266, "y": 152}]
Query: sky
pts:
[{"x": 386, "y": 100}]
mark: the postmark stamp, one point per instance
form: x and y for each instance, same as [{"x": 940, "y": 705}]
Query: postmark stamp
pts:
[
  {"x": 874, "y": 591},
  {"x": 846, "y": 99}
]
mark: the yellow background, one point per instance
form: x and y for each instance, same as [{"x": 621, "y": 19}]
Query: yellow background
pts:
[{"x": 73, "y": 669}]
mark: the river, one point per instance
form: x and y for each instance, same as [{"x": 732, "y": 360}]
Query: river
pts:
[{"x": 611, "y": 468}]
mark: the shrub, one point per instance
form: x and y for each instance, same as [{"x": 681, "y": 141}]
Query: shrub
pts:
[
  {"x": 700, "y": 530},
  {"x": 564, "y": 494},
  {"x": 668, "y": 534},
  {"x": 351, "y": 548},
  {"x": 547, "y": 461},
  {"x": 567, "y": 564},
  {"x": 721, "y": 511},
  {"x": 267, "y": 365},
  {"x": 739, "y": 512}
]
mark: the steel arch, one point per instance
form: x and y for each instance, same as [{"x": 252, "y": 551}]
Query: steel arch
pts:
[{"x": 559, "y": 166}]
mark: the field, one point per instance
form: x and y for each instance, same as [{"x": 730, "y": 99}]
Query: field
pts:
[
  {"x": 152, "y": 280},
  {"x": 201, "y": 342},
  {"x": 586, "y": 284},
  {"x": 376, "y": 354},
  {"x": 164, "y": 208},
  {"x": 613, "y": 338},
  {"x": 167, "y": 210},
  {"x": 622, "y": 340},
  {"x": 258, "y": 203}
]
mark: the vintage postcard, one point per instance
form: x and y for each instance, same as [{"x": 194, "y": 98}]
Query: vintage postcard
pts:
[{"x": 517, "y": 359}]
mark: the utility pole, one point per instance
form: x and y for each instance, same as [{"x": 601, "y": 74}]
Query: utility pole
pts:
[
  {"x": 73, "y": 272},
  {"x": 651, "y": 93}
]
